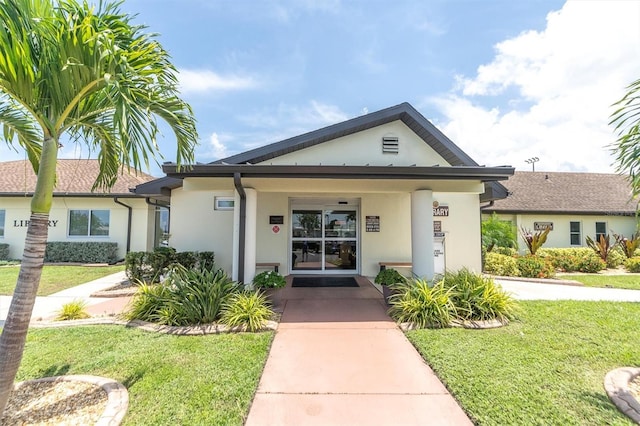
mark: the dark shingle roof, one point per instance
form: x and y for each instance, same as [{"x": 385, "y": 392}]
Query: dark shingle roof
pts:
[
  {"x": 565, "y": 192},
  {"x": 74, "y": 177}
]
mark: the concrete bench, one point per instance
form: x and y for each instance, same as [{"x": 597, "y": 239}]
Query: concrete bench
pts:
[
  {"x": 385, "y": 265},
  {"x": 274, "y": 265}
]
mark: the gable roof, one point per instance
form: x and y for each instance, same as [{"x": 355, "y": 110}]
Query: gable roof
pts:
[
  {"x": 403, "y": 112},
  {"x": 74, "y": 178},
  {"x": 566, "y": 193}
]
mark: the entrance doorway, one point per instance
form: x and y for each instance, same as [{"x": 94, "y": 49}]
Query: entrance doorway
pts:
[{"x": 324, "y": 239}]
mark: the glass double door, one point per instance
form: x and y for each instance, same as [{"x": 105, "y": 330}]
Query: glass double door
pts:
[{"x": 324, "y": 239}]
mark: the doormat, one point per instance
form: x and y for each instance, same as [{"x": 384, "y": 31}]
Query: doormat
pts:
[{"x": 324, "y": 282}]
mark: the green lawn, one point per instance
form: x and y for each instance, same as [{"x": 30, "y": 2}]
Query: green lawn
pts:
[
  {"x": 547, "y": 369},
  {"x": 172, "y": 380},
  {"x": 56, "y": 278},
  {"x": 615, "y": 281}
]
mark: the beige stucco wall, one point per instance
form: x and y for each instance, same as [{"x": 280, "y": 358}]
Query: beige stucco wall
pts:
[
  {"x": 366, "y": 148},
  {"x": 560, "y": 236},
  {"x": 196, "y": 225},
  {"x": 17, "y": 212}
]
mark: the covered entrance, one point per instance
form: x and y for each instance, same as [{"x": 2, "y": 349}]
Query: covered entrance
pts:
[{"x": 324, "y": 237}]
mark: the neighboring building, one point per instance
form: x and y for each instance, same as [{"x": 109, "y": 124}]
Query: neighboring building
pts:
[
  {"x": 575, "y": 205},
  {"x": 77, "y": 213},
  {"x": 386, "y": 186}
]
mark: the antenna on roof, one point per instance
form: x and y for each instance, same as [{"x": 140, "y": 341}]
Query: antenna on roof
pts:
[{"x": 532, "y": 161}]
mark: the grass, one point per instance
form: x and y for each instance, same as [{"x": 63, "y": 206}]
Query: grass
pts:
[
  {"x": 56, "y": 278},
  {"x": 614, "y": 281},
  {"x": 194, "y": 380},
  {"x": 547, "y": 368}
]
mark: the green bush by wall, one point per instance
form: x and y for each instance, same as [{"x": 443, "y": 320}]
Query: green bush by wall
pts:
[
  {"x": 4, "y": 251},
  {"x": 147, "y": 266},
  {"x": 81, "y": 252}
]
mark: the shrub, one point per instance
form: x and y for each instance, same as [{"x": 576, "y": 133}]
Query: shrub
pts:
[
  {"x": 500, "y": 264},
  {"x": 72, "y": 311},
  {"x": 417, "y": 303},
  {"x": 247, "y": 310},
  {"x": 4, "y": 251},
  {"x": 144, "y": 266},
  {"x": 81, "y": 252},
  {"x": 534, "y": 267},
  {"x": 478, "y": 298},
  {"x": 389, "y": 277},
  {"x": 186, "y": 297},
  {"x": 498, "y": 233},
  {"x": 601, "y": 247},
  {"x": 269, "y": 279},
  {"x": 632, "y": 264},
  {"x": 628, "y": 246},
  {"x": 507, "y": 251},
  {"x": 575, "y": 259},
  {"x": 616, "y": 257}
]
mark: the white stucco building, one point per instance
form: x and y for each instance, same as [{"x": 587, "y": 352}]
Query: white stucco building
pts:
[
  {"x": 386, "y": 186},
  {"x": 78, "y": 213}
]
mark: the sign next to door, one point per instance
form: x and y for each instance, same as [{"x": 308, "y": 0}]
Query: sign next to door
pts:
[
  {"x": 541, "y": 226},
  {"x": 441, "y": 211}
]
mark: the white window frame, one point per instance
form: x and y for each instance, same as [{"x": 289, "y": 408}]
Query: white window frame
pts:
[
  {"x": 88, "y": 234},
  {"x": 224, "y": 203},
  {"x": 572, "y": 233}
]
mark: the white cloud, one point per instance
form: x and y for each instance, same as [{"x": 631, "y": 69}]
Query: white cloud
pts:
[
  {"x": 217, "y": 148},
  {"x": 198, "y": 81},
  {"x": 296, "y": 118},
  {"x": 548, "y": 94}
]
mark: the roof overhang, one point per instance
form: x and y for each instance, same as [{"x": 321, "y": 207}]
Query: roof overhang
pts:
[{"x": 483, "y": 174}]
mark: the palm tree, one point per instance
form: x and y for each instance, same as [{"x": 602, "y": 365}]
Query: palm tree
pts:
[
  {"x": 69, "y": 68},
  {"x": 626, "y": 119}
]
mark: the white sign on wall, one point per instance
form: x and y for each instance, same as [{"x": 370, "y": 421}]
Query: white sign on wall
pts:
[{"x": 438, "y": 255}]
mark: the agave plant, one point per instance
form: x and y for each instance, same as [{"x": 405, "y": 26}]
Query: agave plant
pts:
[
  {"x": 247, "y": 310},
  {"x": 423, "y": 305}
]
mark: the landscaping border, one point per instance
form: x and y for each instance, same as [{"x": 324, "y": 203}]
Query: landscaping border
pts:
[
  {"x": 117, "y": 395},
  {"x": 616, "y": 383}
]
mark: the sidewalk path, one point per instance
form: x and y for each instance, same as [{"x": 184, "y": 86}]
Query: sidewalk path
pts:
[
  {"x": 48, "y": 306},
  {"x": 537, "y": 291},
  {"x": 338, "y": 359}
]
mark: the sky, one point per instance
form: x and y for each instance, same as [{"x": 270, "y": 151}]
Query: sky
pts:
[{"x": 505, "y": 80}]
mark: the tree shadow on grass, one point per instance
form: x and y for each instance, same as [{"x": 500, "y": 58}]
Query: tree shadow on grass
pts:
[
  {"x": 55, "y": 370},
  {"x": 600, "y": 401},
  {"x": 133, "y": 378}
]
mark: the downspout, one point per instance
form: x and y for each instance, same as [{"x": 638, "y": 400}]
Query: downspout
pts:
[
  {"x": 115, "y": 200},
  {"x": 156, "y": 204},
  {"x": 243, "y": 218}
]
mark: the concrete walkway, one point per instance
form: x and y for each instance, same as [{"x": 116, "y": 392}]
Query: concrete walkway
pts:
[
  {"x": 338, "y": 359},
  {"x": 47, "y": 307}
]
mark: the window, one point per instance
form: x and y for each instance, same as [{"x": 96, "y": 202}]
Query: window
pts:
[
  {"x": 1, "y": 223},
  {"x": 601, "y": 229},
  {"x": 161, "y": 238},
  {"x": 84, "y": 223},
  {"x": 574, "y": 231},
  {"x": 224, "y": 203}
]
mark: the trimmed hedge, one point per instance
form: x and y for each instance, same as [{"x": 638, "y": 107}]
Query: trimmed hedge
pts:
[
  {"x": 632, "y": 264},
  {"x": 500, "y": 264},
  {"x": 4, "y": 251},
  {"x": 578, "y": 259},
  {"x": 532, "y": 266},
  {"x": 81, "y": 252},
  {"x": 145, "y": 266}
]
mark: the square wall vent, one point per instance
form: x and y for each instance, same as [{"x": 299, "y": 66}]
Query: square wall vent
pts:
[{"x": 390, "y": 145}]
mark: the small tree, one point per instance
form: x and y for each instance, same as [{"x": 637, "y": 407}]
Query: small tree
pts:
[
  {"x": 626, "y": 149},
  {"x": 534, "y": 240},
  {"x": 498, "y": 233}
]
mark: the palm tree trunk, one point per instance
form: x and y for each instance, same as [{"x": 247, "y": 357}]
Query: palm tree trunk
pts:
[
  {"x": 14, "y": 333},
  {"x": 16, "y": 326}
]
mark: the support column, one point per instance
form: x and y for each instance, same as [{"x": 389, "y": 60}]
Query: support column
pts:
[
  {"x": 236, "y": 237},
  {"x": 422, "y": 233},
  {"x": 250, "y": 235}
]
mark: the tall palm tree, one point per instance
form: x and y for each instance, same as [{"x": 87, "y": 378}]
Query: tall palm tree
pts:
[
  {"x": 87, "y": 72},
  {"x": 626, "y": 149}
]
